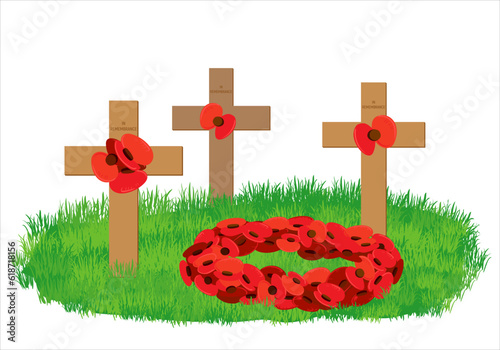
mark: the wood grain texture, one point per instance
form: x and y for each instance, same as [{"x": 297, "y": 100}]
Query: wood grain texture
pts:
[
  {"x": 374, "y": 167},
  {"x": 123, "y": 207}
]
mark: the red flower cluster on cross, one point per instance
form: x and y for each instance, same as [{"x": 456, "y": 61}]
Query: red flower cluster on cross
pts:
[
  {"x": 212, "y": 263},
  {"x": 124, "y": 163},
  {"x": 211, "y": 117},
  {"x": 383, "y": 132}
]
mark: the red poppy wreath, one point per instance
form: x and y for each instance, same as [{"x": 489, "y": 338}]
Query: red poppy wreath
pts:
[{"x": 212, "y": 263}]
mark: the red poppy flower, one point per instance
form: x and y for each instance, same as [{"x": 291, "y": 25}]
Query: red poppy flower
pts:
[
  {"x": 228, "y": 269},
  {"x": 397, "y": 271},
  {"x": 383, "y": 241},
  {"x": 224, "y": 284},
  {"x": 205, "y": 263},
  {"x": 211, "y": 117},
  {"x": 218, "y": 251},
  {"x": 298, "y": 221},
  {"x": 208, "y": 236},
  {"x": 229, "y": 247},
  {"x": 193, "y": 252},
  {"x": 232, "y": 227},
  {"x": 269, "y": 271},
  {"x": 288, "y": 243},
  {"x": 362, "y": 297},
  {"x": 355, "y": 277},
  {"x": 315, "y": 230},
  {"x": 294, "y": 283},
  {"x": 381, "y": 283},
  {"x": 206, "y": 284},
  {"x": 277, "y": 223},
  {"x": 339, "y": 278},
  {"x": 329, "y": 294},
  {"x": 186, "y": 272},
  {"x": 307, "y": 302},
  {"x": 128, "y": 182},
  {"x": 270, "y": 291},
  {"x": 231, "y": 295},
  {"x": 366, "y": 266},
  {"x": 361, "y": 235},
  {"x": 316, "y": 276},
  {"x": 335, "y": 233},
  {"x": 383, "y": 131},
  {"x": 269, "y": 245},
  {"x": 250, "y": 277},
  {"x": 286, "y": 303},
  {"x": 250, "y": 298},
  {"x": 382, "y": 259},
  {"x": 123, "y": 163},
  {"x": 315, "y": 252},
  {"x": 245, "y": 245},
  {"x": 257, "y": 231},
  {"x": 331, "y": 251}
]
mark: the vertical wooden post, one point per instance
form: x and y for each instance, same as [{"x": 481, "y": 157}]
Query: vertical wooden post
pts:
[
  {"x": 123, "y": 207},
  {"x": 221, "y": 152},
  {"x": 374, "y": 167}
]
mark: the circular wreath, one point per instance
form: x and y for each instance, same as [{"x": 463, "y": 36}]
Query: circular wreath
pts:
[{"x": 212, "y": 263}]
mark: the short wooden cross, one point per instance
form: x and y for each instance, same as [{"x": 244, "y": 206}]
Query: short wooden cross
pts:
[
  {"x": 373, "y": 167},
  {"x": 124, "y": 207},
  {"x": 221, "y": 170}
]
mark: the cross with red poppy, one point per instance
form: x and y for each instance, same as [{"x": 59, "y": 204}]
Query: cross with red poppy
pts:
[
  {"x": 373, "y": 136},
  {"x": 123, "y": 207},
  {"x": 221, "y": 117}
]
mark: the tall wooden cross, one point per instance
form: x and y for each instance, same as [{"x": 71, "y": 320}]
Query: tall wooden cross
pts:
[
  {"x": 123, "y": 207},
  {"x": 373, "y": 167},
  {"x": 221, "y": 167}
]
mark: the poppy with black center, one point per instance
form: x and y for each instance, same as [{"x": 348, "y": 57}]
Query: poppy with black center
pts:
[
  {"x": 315, "y": 231},
  {"x": 257, "y": 231},
  {"x": 251, "y": 277},
  {"x": 269, "y": 271},
  {"x": 315, "y": 252},
  {"x": 245, "y": 245},
  {"x": 231, "y": 295},
  {"x": 298, "y": 221},
  {"x": 231, "y": 227},
  {"x": 288, "y": 243},
  {"x": 206, "y": 284}
]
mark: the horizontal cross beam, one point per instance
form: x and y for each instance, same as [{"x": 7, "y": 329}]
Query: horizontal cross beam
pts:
[
  {"x": 167, "y": 160},
  {"x": 247, "y": 117},
  {"x": 341, "y": 135}
]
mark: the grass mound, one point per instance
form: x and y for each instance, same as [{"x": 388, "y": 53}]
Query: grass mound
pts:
[{"x": 65, "y": 256}]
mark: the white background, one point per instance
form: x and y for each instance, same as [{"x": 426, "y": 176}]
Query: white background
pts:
[{"x": 62, "y": 63}]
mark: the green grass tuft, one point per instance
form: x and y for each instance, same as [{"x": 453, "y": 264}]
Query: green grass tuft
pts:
[{"x": 65, "y": 256}]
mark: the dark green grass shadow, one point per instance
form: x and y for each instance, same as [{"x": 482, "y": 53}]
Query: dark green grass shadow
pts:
[{"x": 65, "y": 255}]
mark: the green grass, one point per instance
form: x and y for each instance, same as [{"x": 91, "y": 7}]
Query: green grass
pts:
[{"x": 65, "y": 256}]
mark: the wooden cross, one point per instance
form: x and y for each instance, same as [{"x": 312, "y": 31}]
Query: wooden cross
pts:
[
  {"x": 373, "y": 167},
  {"x": 221, "y": 171},
  {"x": 124, "y": 207}
]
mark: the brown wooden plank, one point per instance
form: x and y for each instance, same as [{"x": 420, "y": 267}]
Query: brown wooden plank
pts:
[
  {"x": 167, "y": 160},
  {"x": 123, "y": 207},
  {"x": 186, "y": 118},
  {"x": 251, "y": 117},
  {"x": 77, "y": 159},
  {"x": 374, "y": 167},
  {"x": 221, "y": 155},
  {"x": 410, "y": 134},
  {"x": 338, "y": 134}
]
